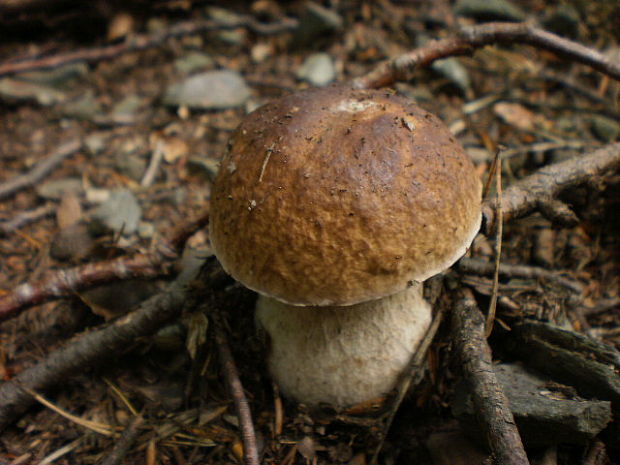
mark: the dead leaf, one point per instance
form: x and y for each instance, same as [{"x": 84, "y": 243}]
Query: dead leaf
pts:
[
  {"x": 121, "y": 26},
  {"x": 69, "y": 212},
  {"x": 172, "y": 147},
  {"x": 515, "y": 115}
]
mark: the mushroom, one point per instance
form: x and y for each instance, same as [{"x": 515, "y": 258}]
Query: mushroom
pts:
[{"x": 334, "y": 205}]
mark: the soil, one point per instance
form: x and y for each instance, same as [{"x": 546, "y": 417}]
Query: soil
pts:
[{"x": 539, "y": 108}]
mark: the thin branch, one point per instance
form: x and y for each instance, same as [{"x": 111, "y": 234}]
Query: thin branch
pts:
[
  {"x": 86, "y": 351},
  {"x": 528, "y": 194},
  {"x": 124, "y": 443},
  {"x": 471, "y": 38},
  {"x": 40, "y": 170},
  {"x": 482, "y": 267},
  {"x": 25, "y": 217},
  {"x": 142, "y": 42},
  {"x": 490, "y": 402},
  {"x": 65, "y": 283},
  {"x": 248, "y": 437},
  {"x": 91, "y": 348}
]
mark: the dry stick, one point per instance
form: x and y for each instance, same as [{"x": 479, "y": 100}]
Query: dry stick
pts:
[
  {"x": 471, "y": 38},
  {"x": 124, "y": 443},
  {"x": 498, "y": 245},
  {"x": 411, "y": 377},
  {"x": 40, "y": 170},
  {"x": 248, "y": 437},
  {"x": 65, "y": 283},
  {"x": 90, "y": 348},
  {"x": 490, "y": 402},
  {"x": 87, "y": 350},
  {"x": 26, "y": 217},
  {"x": 482, "y": 267},
  {"x": 144, "y": 41},
  {"x": 527, "y": 195}
]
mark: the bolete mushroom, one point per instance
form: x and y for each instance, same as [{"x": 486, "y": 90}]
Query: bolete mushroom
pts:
[{"x": 335, "y": 205}]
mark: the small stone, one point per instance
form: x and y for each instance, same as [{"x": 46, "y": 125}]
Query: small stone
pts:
[
  {"x": 21, "y": 90},
  {"x": 191, "y": 262},
  {"x": 489, "y": 10},
  {"x": 97, "y": 196},
  {"x": 57, "y": 77},
  {"x": 315, "y": 21},
  {"x": 318, "y": 69},
  {"x": 545, "y": 411},
  {"x": 454, "y": 71},
  {"x": 131, "y": 165},
  {"x": 95, "y": 143},
  {"x": 126, "y": 111},
  {"x": 233, "y": 37},
  {"x": 212, "y": 90},
  {"x": 193, "y": 61},
  {"x": 121, "y": 212},
  {"x": 56, "y": 188},
  {"x": 606, "y": 129},
  {"x": 261, "y": 51},
  {"x": 146, "y": 230},
  {"x": 87, "y": 107}
]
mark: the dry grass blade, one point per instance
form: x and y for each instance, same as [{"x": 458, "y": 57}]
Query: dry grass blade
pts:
[
  {"x": 101, "y": 428},
  {"x": 498, "y": 245},
  {"x": 121, "y": 396}
]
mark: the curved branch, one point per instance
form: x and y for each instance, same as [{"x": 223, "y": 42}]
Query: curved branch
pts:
[
  {"x": 472, "y": 38},
  {"x": 537, "y": 189},
  {"x": 490, "y": 402},
  {"x": 143, "y": 42},
  {"x": 65, "y": 283}
]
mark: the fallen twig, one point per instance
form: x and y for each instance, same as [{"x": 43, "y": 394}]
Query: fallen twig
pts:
[
  {"x": 124, "y": 443},
  {"x": 100, "y": 344},
  {"x": 474, "y": 37},
  {"x": 77, "y": 355},
  {"x": 541, "y": 188},
  {"x": 490, "y": 402},
  {"x": 144, "y": 41},
  {"x": 65, "y": 283},
  {"x": 482, "y": 267},
  {"x": 40, "y": 170},
  {"x": 26, "y": 217},
  {"x": 248, "y": 437}
]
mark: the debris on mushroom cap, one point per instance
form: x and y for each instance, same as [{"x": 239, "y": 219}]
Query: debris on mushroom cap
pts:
[{"x": 337, "y": 196}]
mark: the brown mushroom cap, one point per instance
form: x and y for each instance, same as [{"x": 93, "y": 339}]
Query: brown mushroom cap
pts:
[{"x": 338, "y": 196}]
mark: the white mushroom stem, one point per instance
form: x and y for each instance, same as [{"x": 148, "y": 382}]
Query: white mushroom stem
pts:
[{"x": 343, "y": 355}]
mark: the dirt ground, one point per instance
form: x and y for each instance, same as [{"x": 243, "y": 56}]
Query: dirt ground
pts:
[{"x": 162, "y": 155}]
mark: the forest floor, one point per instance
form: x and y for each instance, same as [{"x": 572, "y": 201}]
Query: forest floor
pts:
[{"x": 137, "y": 157}]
